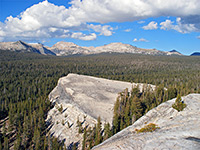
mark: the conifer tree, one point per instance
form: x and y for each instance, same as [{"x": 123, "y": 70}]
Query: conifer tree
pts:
[
  {"x": 74, "y": 147},
  {"x": 107, "y": 131},
  {"x": 26, "y": 132},
  {"x": 116, "y": 125},
  {"x": 45, "y": 143},
  {"x": 6, "y": 144},
  {"x": 121, "y": 124},
  {"x": 0, "y": 145},
  {"x": 84, "y": 139},
  {"x": 127, "y": 114},
  {"x": 4, "y": 130},
  {"x": 79, "y": 125},
  {"x": 137, "y": 107},
  {"x": 98, "y": 136},
  {"x": 135, "y": 91},
  {"x": 17, "y": 144},
  {"x": 36, "y": 138},
  {"x": 179, "y": 104}
]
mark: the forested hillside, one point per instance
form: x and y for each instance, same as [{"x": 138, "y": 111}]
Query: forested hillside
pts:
[{"x": 27, "y": 79}]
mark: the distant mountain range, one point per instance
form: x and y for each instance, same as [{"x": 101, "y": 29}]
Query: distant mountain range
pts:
[
  {"x": 21, "y": 46},
  {"x": 68, "y": 48},
  {"x": 195, "y": 54}
]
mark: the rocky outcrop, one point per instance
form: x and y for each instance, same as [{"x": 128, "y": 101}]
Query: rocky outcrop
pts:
[
  {"x": 85, "y": 98},
  {"x": 178, "y": 130}
]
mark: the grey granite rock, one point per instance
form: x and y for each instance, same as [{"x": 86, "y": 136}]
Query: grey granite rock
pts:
[
  {"x": 178, "y": 130},
  {"x": 86, "y": 98}
]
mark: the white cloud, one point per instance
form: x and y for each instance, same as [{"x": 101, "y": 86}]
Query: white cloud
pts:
[
  {"x": 143, "y": 40},
  {"x": 81, "y": 36},
  {"x": 140, "y": 40},
  {"x": 141, "y": 22},
  {"x": 180, "y": 27},
  {"x": 166, "y": 25},
  {"x": 42, "y": 21},
  {"x": 103, "y": 30},
  {"x": 128, "y": 30},
  {"x": 46, "y": 20},
  {"x": 118, "y": 11},
  {"x": 40, "y": 15},
  {"x": 198, "y": 37},
  {"x": 151, "y": 26}
]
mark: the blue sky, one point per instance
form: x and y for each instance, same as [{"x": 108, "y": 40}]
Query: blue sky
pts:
[{"x": 164, "y": 25}]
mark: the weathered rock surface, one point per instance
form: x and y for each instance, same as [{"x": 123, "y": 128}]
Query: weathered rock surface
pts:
[
  {"x": 82, "y": 97},
  {"x": 178, "y": 130}
]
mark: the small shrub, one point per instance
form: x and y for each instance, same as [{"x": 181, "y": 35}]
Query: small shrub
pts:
[
  {"x": 79, "y": 125},
  {"x": 179, "y": 105},
  {"x": 68, "y": 124},
  {"x": 63, "y": 122},
  {"x": 148, "y": 128},
  {"x": 60, "y": 109}
]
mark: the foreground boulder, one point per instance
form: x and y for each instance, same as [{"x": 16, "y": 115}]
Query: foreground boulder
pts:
[
  {"x": 177, "y": 130},
  {"x": 83, "y": 98}
]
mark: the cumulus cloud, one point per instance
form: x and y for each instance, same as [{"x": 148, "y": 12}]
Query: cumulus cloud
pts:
[
  {"x": 46, "y": 20},
  {"x": 140, "y": 40},
  {"x": 179, "y": 26},
  {"x": 40, "y": 15},
  {"x": 151, "y": 26},
  {"x": 105, "y": 30},
  {"x": 128, "y": 30},
  {"x": 135, "y": 40},
  {"x": 81, "y": 36},
  {"x": 198, "y": 37}
]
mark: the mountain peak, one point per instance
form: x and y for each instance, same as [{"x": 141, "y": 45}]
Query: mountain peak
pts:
[
  {"x": 68, "y": 48},
  {"x": 19, "y": 46},
  {"x": 40, "y": 47},
  {"x": 174, "y": 52},
  {"x": 195, "y": 54}
]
